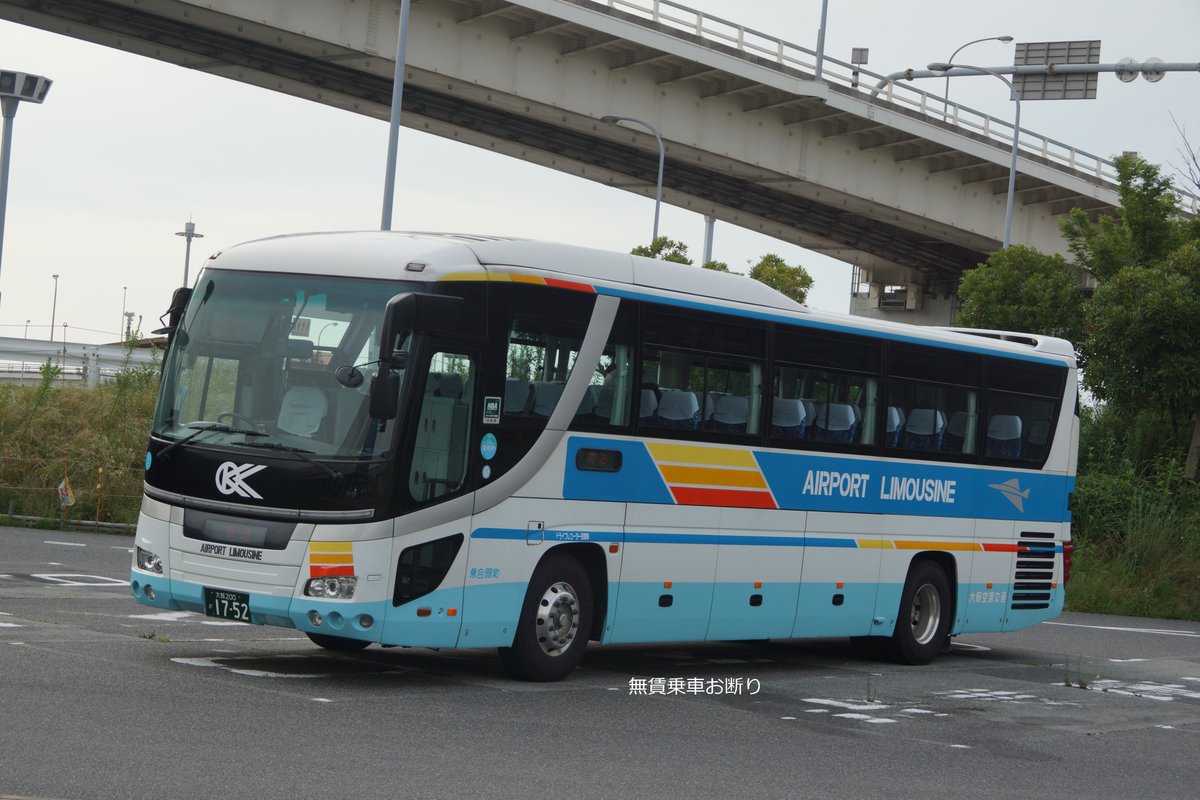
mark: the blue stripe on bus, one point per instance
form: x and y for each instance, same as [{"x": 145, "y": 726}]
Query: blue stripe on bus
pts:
[{"x": 826, "y": 326}]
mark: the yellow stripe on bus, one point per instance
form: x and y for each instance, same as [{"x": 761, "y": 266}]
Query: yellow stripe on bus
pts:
[
  {"x": 331, "y": 547},
  {"x": 708, "y": 476},
  {"x": 903, "y": 545},
  {"x": 330, "y": 558},
  {"x": 700, "y": 455},
  {"x": 875, "y": 544}
]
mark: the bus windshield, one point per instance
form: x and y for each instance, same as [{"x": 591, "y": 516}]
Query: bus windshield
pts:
[{"x": 253, "y": 364}]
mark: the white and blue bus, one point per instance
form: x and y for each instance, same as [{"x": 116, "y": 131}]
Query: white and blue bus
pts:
[{"x": 455, "y": 441}]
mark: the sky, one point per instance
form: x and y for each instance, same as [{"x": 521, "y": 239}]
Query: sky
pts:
[{"x": 125, "y": 150}]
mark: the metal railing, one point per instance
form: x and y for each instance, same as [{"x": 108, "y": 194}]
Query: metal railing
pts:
[{"x": 786, "y": 56}]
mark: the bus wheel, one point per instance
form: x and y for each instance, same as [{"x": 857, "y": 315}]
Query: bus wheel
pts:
[
  {"x": 340, "y": 643},
  {"x": 555, "y": 622},
  {"x": 924, "y": 621}
]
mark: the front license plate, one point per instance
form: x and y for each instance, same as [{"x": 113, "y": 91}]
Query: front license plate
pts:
[{"x": 227, "y": 605}]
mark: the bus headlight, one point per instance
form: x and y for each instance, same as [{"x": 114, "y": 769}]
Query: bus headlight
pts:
[
  {"x": 332, "y": 588},
  {"x": 149, "y": 561}
]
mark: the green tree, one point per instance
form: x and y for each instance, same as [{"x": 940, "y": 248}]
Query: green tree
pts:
[
  {"x": 1148, "y": 229},
  {"x": 1023, "y": 289},
  {"x": 782, "y": 277},
  {"x": 716, "y": 266},
  {"x": 664, "y": 249}
]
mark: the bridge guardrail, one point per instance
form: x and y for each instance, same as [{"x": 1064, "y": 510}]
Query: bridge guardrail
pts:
[{"x": 785, "y": 56}]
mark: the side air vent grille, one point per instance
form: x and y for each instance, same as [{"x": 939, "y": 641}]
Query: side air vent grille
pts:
[{"x": 1034, "y": 576}]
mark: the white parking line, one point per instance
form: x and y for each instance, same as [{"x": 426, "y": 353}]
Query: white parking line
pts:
[
  {"x": 65, "y": 544},
  {"x": 1158, "y": 631}
]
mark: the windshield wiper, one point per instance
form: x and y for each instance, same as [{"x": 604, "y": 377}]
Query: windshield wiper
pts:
[
  {"x": 215, "y": 427},
  {"x": 303, "y": 454}
]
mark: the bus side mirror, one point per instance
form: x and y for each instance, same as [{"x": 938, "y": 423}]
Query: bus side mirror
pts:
[
  {"x": 418, "y": 313},
  {"x": 384, "y": 402},
  {"x": 174, "y": 314}
]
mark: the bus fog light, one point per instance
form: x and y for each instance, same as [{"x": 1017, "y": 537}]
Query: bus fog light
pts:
[
  {"x": 335, "y": 588},
  {"x": 149, "y": 562},
  {"x": 365, "y": 621},
  {"x": 149, "y": 592},
  {"x": 315, "y": 617}
]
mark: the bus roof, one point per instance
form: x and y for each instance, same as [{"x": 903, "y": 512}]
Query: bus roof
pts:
[{"x": 389, "y": 254}]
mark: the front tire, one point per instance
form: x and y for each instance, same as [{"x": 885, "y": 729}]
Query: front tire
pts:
[
  {"x": 923, "y": 625},
  {"x": 555, "y": 622},
  {"x": 339, "y": 643}
]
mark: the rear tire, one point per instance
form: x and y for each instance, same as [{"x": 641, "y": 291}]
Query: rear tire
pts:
[
  {"x": 339, "y": 643},
  {"x": 923, "y": 625},
  {"x": 555, "y": 622}
]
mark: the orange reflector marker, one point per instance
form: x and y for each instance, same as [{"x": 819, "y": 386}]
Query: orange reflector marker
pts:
[
  {"x": 1054, "y": 586},
  {"x": 989, "y": 586},
  {"x": 424, "y": 612},
  {"x": 614, "y": 548},
  {"x": 451, "y": 612},
  {"x": 841, "y": 585},
  {"x": 758, "y": 584},
  {"x": 666, "y": 584}
]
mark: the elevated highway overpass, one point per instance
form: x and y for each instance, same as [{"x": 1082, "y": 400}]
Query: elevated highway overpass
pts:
[{"x": 908, "y": 189}]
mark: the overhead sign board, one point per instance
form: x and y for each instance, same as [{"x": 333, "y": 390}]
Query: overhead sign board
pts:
[{"x": 1056, "y": 86}]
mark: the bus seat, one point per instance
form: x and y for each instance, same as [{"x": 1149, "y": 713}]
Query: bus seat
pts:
[
  {"x": 302, "y": 411},
  {"x": 647, "y": 405},
  {"x": 956, "y": 432},
  {"x": 518, "y": 396},
  {"x": 895, "y": 422},
  {"x": 787, "y": 418},
  {"x": 924, "y": 429},
  {"x": 1039, "y": 433},
  {"x": 731, "y": 414},
  {"x": 587, "y": 404},
  {"x": 545, "y": 397},
  {"x": 1004, "y": 436},
  {"x": 837, "y": 424},
  {"x": 678, "y": 409},
  {"x": 604, "y": 400}
]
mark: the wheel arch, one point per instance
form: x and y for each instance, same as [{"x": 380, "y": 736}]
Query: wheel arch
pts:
[
  {"x": 591, "y": 557},
  {"x": 949, "y": 567}
]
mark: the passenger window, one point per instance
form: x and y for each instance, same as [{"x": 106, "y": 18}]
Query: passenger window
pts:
[
  {"x": 440, "y": 452},
  {"x": 930, "y": 417},
  {"x": 606, "y": 400},
  {"x": 538, "y": 364},
  {"x": 698, "y": 392},
  {"x": 813, "y": 405},
  {"x": 1019, "y": 427}
]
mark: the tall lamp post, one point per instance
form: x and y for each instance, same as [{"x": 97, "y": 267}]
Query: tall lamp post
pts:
[
  {"x": 15, "y": 87},
  {"x": 662, "y": 156},
  {"x": 54, "y": 306},
  {"x": 188, "y": 232},
  {"x": 950, "y": 60},
  {"x": 944, "y": 67}
]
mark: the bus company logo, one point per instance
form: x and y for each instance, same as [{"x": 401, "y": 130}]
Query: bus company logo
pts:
[
  {"x": 231, "y": 479},
  {"x": 1012, "y": 490}
]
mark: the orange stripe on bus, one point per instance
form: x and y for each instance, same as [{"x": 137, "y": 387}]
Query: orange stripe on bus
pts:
[
  {"x": 709, "y": 476},
  {"x": 727, "y": 498},
  {"x": 331, "y": 558}
]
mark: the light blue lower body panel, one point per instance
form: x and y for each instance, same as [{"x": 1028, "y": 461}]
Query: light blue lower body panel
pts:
[
  {"x": 432, "y": 620},
  {"x": 740, "y": 611},
  {"x": 643, "y": 617},
  {"x": 825, "y": 609},
  {"x": 490, "y": 614}
]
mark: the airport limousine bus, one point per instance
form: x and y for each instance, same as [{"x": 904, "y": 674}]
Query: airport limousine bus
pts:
[{"x": 454, "y": 441}]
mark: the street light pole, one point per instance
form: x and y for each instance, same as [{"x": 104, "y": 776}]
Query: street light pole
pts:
[
  {"x": 662, "y": 157},
  {"x": 950, "y": 60},
  {"x": 54, "y": 305},
  {"x": 1012, "y": 169},
  {"x": 389, "y": 175},
  {"x": 14, "y": 87},
  {"x": 188, "y": 232}
]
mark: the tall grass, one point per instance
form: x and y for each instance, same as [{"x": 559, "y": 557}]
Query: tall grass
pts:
[
  {"x": 1136, "y": 520},
  {"x": 96, "y": 438}
]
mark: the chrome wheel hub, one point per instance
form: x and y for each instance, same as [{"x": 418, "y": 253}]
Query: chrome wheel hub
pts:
[{"x": 557, "y": 618}]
